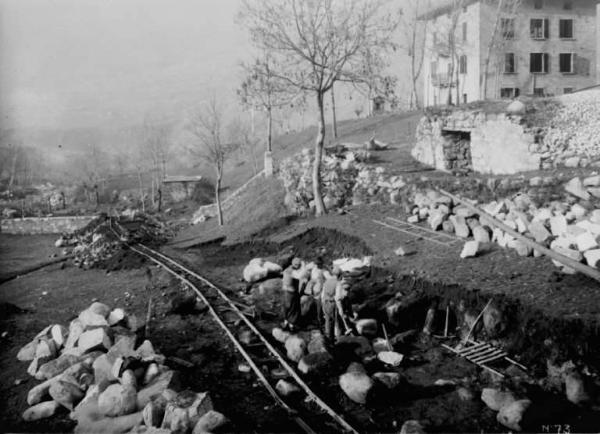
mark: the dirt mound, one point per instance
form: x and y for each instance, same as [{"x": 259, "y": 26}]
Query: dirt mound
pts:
[{"x": 103, "y": 242}]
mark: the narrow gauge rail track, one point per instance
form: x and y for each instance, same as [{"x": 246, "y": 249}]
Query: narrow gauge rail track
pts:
[{"x": 217, "y": 302}]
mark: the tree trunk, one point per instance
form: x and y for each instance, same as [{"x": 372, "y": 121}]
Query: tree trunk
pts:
[
  {"x": 218, "y": 196},
  {"x": 269, "y": 129},
  {"x": 13, "y": 168},
  {"x": 316, "y": 175},
  {"x": 486, "y": 64},
  {"x": 334, "y": 119},
  {"x": 141, "y": 186},
  {"x": 457, "y": 82}
]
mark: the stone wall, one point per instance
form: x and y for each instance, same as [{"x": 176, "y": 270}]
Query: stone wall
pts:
[
  {"x": 541, "y": 134},
  {"x": 43, "y": 225}
]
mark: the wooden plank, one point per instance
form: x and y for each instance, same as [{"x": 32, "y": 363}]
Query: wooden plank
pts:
[
  {"x": 494, "y": 357},
  {"x": 431, "y": 231},
  {"x": 412, "y": 234}
]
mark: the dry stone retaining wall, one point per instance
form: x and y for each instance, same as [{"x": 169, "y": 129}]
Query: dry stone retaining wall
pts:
[
  {"x": 43, "y": 225},
  {"x": 541, "y": 134}
]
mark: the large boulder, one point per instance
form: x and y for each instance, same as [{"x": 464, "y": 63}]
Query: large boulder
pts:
[
  {"x": 356, "y": 384},
  {"x": 94, "y": 339},
  {"x": 367, "y": 327},
  {"x": 40, "y": 411},
  {"x": 76, "y": 328},
  {"x": 470, "y": 249},
  {"x": 209, "y": 422},
  {"x": 280, "y": 335},
  {"x": 315, "y": 363},
  {"x": 496, "y": 399},
  {"x": 576, "y": 188},
  {"x": 295, "y": 347},
  {"x": 117, "y": 400},
  {"x": 511, "y": 415}
]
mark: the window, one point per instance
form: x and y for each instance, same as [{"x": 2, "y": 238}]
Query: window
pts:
[
  {"x": 565, "y": 29},
  {"x": 568, "y": 5},
  {"x": 464, "y": 98},
  {"x": 538, "y": 91},
  {"x": 539, "y": 28},
  {"x": 508, "y": 28},
  {"x": 538, "y": 62},
  {"x": 509, "y": 92},
  {"x": 568, "y": 90},
  {"x": 538, "y": 4},
  {"x": 464, "y": 32},
  {"x": 509, "y": 63},
  {"x": 565, "y": 62},
  {"x": 462, "y": 64}
]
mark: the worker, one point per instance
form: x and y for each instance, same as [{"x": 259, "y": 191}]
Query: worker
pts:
[
  {"x": 328, "y": 303},
  {"x": 341, "y": 303},
  {"x": 291, "y": 295},
  {"x": 314, "y": 287}
]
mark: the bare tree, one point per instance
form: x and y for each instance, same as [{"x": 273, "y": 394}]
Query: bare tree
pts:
[
  {"x": 205, "y": 124},
  {"x": 264, "y": 90},
  {"x": 318, "y": 42},
  {"x": 156, "y": 143},
  {"x": 414, "y": 44},
  {"x": 505, "y": 9}
]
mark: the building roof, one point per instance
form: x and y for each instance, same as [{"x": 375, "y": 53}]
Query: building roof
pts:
[
  {"x": 181, "y": 178},
  {"x": 444, "y": 8}
]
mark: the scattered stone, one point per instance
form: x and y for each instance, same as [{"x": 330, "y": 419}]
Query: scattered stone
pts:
[
  {"x": 201, "y": 405},
  {"x": 558, "y": 225},
  {"x": 27, "y": 353},
  {"x": 99, "y": 308},
  {"x": 586, "y": 241},
  {"x": 576, "y": 188},
  {"x": 57, "y": 366},
  {"x": 315, "y": 363},
  {"x": 539, "y": 232},
  {"x": 285, "y": 388},
  {"x": 119, "y": 424},
  {"x": 391, "y": 358},
  {"x": 317, "y": 342},
  {"x": 295, "y": 347},
  {"x": 357, "y": 345},
  {"x": 94, "y": 339},
  {"x": 115, "y": 316},
  {"x": 465, "y": 394},
  {"x": 59, "y": 334},
  {"x": 76, "y": 328},
  {"x": 461, "y": 229},
  {"x": 511, "y": 414},
  {"x": 40, "y": 411},
  {"x": 516, "y": 107},
  {"x": 481, "y": 234},
  {"x": 154, "y": 412},
  {"x": 520, "y": 247},
  {"x": 496, "y": 399},
  {"x": 470, "y": 249},
  {"x": 575, "y": 390},
  {"x": 413, "y": 219},
  {"x": 280, "y": 335},
  {"x": 592, "y": 257},
  {"x": 209, "y": 422},
  {"x": 166, "y": 380},
  {"x": 391, "y": 380},
  {"x": 117, "y": 400},
  {"x": 412, "y": 427},
  {"x": 366, "y": 327},
  {"x": 66, "y": 394},
  {"x": 447, "y": 226},
  {"x": 400, "y": 251},
  {"x": 92, "y": 319},
  {"x": 46, "y": 348},
  {"x": 356, "y": 384},
  {"x": 592, "y": 181}
]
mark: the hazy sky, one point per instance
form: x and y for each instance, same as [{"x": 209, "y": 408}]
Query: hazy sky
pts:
[{"x": 71, "y": 63}]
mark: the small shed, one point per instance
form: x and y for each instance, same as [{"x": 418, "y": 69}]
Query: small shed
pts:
[{"x": 181, "y": 187}]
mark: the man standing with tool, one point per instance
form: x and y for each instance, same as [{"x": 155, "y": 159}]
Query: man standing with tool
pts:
[
  {"x": 291, "y": 296},
  {"x": 333, "y": 300}
]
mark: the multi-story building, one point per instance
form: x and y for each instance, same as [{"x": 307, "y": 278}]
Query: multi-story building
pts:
[{"x": 534, "y": 47}]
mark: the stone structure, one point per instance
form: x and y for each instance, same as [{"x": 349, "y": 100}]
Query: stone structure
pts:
[
  {"x": 43, "y": 225},
  {"x": 548, "y": 47},
  {"x": 460, "y": 140},
  {"x": 495, "y": 138},
  {"x": 180, "y": 187}
]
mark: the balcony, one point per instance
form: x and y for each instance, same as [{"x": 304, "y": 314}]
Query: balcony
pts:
[{"x": 442, "y": 80}]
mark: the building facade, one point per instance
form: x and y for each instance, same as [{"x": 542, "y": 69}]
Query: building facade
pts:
[{"x": 538, "y": 47}]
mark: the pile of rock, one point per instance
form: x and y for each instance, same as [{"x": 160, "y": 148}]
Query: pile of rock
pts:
[
  {"x": 97, "y": 242},
  {"x": 572, "y": 135},
  {"x": 346, "y": 180},
  {"x": 310, "y": 352},
  {"x": 95, "y": 370},
  {"x": 566, "y": 227}
]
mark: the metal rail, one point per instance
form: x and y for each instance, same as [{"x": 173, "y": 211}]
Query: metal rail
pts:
[{"x": 176, "y": 269}]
